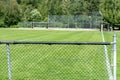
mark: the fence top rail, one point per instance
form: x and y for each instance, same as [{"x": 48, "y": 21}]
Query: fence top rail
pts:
[{"x": 57, "y": 43}]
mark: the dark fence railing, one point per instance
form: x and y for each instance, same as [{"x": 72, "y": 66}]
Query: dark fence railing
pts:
[{"x": 60, "y": 43}]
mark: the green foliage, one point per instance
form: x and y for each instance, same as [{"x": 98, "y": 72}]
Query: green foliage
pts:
[
  {"x": 14, "y": 26},
  {"x": 27, "y": 14},
  {"x": 2, "y": 25},
  {"x": 35, "y": 15},
  {"x": 10, "y": 12},
  {"x": 111, "y": 12},
  {"x": 11, "y": 19},
  {"x": 38, "y": 10},
  {"x": 18, "y": 1}
]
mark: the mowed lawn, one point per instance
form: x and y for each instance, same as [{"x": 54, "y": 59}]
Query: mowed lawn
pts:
[
  {"x": 48, "y": 35},
  {"x": 54, "y": 62}
]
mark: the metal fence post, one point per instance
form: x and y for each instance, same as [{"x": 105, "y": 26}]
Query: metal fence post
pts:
[
  {"x": 8, "y": 58},
  {"x": 48, "y": 21},
  {"x": 114, "y": 58},
  {"x": 68, "y": 22}
]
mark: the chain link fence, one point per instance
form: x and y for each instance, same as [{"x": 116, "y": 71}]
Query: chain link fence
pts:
[
  {"x": 56, "y": 61},
  {"x": 92, "y": 20}
]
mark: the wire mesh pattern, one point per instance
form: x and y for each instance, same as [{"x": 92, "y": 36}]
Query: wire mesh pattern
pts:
[
  {"x": 76, "y": 21},
  {"x": 3, "y": 63},
  {"x": 55, "y": 62},
  {"x": 91, "y": 20}
]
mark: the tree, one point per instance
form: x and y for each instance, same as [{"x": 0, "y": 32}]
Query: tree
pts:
[
  {"x": 2, "y": 11},
  {"x": 35, "y": 15},
  {"x": 12, "y": 16},
  {"x": 111, "y": 12},
  {"x": 65, "y": 6},
  {"x": 19, "y": 1},
  {"x": 23, "y": 9}
]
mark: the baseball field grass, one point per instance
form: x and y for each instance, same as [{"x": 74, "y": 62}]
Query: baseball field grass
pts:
[{"x": 55, "y": 62}]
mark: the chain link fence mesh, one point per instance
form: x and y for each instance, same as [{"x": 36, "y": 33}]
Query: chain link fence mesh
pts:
[
  {"x": 3, "y": 63},
  {"x": 92, "y": 20},
  {"x": 55, "y": 62}
]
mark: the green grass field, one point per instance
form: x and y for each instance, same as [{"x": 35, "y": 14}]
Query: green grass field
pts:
[{"x": 55, "y": 62}]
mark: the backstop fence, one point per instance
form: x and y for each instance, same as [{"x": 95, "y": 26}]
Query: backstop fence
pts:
[
  {"x": 92, "y": 20},
  {"x": 57, "y": 60}
]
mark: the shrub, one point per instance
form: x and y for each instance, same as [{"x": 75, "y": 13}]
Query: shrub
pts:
[{"x": 2, "y": 25}]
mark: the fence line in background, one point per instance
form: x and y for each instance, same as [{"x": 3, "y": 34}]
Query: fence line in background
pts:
[{"x": 90, "y": 21}]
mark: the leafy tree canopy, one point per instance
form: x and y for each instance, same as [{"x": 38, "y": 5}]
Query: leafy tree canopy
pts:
[{"x": 38, "y": 10}]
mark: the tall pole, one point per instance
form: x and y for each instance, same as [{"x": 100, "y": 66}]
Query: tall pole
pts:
[
  {"x": 114, "y": 59},
  {"x": 9, "y": 63}
]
